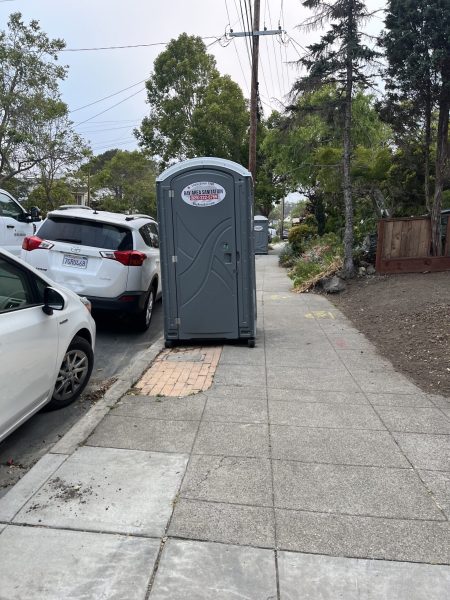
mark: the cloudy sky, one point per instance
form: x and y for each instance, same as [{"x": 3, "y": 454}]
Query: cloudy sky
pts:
[{"x": 120, "y": 73}]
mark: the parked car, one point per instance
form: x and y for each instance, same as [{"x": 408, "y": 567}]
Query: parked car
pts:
[
  {"x": 112, "y": 259},
  {"x": 15, "y": 223},
  {"x": 47, "y": 339}
]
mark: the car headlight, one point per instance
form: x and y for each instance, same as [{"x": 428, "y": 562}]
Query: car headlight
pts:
[{"x": 86, "y": 303}]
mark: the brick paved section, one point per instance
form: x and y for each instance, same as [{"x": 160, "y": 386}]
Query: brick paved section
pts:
[{"x": 180, "y": 372}]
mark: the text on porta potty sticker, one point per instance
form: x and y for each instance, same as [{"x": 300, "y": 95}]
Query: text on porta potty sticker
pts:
[{"x": 203, "y": 193}]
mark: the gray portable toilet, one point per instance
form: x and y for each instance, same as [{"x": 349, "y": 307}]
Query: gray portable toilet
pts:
[
  {"x": 261, "y": 234},
  {"x": 205, "y": 215}
]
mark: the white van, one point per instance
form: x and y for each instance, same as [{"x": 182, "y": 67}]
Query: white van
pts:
[{"x": 15, "y": 223}]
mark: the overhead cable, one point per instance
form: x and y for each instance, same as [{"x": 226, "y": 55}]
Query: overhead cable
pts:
[
  {"x": 110, "y": 108},
  {"x": 107, "y": 97},
  {"x": 210, "y": 37}
]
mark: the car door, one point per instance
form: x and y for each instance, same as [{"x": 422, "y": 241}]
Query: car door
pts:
[
  {"x": 150, "y": 267},
  {"x": 12, "y": 229},
  {"x": 28, "y": 345}
]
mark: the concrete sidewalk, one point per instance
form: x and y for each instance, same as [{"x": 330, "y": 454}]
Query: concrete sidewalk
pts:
[{"x": 309, "y": 470}]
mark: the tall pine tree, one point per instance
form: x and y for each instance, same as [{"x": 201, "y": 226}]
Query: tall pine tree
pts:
[
  {"x": 340, "y": 58},
  {"x": 417, "y": 43}
]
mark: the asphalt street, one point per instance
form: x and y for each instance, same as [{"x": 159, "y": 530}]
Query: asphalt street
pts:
[{"x": 116, "y": 345}]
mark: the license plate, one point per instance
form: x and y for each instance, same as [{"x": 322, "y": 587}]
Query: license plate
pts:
[{"x": 73, "y": 260}]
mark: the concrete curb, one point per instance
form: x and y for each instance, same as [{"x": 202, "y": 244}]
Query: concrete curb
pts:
[{"x": 126, "y": 379}]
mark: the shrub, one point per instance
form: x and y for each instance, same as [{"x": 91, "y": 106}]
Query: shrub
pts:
[
  {"x": 310, "y": 220},
  {"x": 287, "y": 257},
  {"x": 321, "y": 255},
  {"x": 299, "y": 234},
  {"x": 302, "y": 271}
]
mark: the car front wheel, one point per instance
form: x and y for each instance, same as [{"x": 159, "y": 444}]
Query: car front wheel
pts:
[{"x": 74, "y": 373}]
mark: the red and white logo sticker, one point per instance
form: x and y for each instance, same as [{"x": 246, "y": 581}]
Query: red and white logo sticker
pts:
[{"x": 203, "y": 193}]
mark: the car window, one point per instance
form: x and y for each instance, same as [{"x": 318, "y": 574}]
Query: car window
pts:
[
  {"x": 149, "y": 233},
  {"x": 15, "y": 289},
  {"x": 86, "y": 233},
  {"x": 9, "y": 208}
]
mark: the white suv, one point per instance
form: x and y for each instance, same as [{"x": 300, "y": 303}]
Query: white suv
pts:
[
  {"x": 112, "y": 259},
  {"x": 15, "y": 223}
]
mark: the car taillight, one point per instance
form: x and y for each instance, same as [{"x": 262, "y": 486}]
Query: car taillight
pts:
[
  {"x": 33, "y": 242},
  {"x": 129, "y": 258}
]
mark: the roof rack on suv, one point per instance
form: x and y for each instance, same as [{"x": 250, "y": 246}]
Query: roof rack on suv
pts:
[
  {"x": 67, "y": 206},
  {"x": 132, "y": 217}
]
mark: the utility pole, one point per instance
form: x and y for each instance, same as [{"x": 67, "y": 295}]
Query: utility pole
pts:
[
  {"x": 89, "y": 187},
  {"x": 254, "y": 93},
  {"x": 255, "y": 34}
]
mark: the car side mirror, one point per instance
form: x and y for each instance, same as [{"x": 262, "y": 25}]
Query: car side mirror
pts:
[
  {"x": 35, "y": 214},
  {"x": 53, "y": 300}
]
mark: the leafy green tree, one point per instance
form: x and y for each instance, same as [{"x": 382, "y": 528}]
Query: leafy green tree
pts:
[
  {"x": 29, "y": 95},
  {"x": 340, "y": 58},
  {"x": 61, "y": 193},
  {"x": 270, "y": 186},
  {"x": 411, "y": 77},
  {"x": 63, "y": 150},
  {"x": 126, "y": 183},
  {"x": 306, "y": 146},
  {"x": 417, "y": 46},
  {"x": 96, "y": 163},
  {"x": 194, "y": 111},
  {"x": 220, "y": 121},
  {"x": 180, "y": 78}
]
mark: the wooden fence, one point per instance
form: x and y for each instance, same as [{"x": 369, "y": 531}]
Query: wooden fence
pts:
[{"x": 404, "y": 246}]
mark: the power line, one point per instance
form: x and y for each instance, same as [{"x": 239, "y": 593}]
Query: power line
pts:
[
  {"x": 243, "y": 27},
  {"x": 264, "y": 79},
  {"x": 87, "y": 131},
  {"x": 210, "y": 37},
  {"x": 249, "y": 22},
  {"x": 282, "y": 73},
  {"x": 282, "y": 24},
  {"x": 268, "y": 53},
  {"x": 125, "y": 142},
  {"x": 240, "y": 64},
  {"x": 251, "y": 14},
  {"x": 115, "y": 121},
  {"x": 116, "y": 140},
  {"x": 274, "y": 50},
  {"x": 228, "y": 14},
  {"x": 107, "y": 97},
  {"x": 111, "y": 107}
]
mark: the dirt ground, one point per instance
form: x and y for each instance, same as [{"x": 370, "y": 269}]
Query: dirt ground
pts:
[{"x": 407, "y": 317}]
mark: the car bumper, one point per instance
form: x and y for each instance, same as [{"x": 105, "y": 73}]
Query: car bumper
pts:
[{"x": 130, "y": 302}]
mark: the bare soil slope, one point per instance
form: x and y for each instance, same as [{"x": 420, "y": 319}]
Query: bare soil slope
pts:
[{"x": 408, "y": 318}]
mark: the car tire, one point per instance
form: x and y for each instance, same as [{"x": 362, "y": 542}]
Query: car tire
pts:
[
  {"x": 73, "y": 375},
  {"x": 144, "y": 318}
]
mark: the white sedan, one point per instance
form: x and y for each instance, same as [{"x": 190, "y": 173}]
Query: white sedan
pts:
[{"x": 47, "y": 339}]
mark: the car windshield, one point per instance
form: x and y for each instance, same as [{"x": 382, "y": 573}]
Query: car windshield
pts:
[{"x": 86, "y": 233}]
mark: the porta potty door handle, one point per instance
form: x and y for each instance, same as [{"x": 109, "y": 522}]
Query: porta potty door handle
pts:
[{"x": 227, "y": 257}]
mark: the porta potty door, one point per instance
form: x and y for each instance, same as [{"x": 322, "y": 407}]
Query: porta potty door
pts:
[
  {"x": 261, "y": 234},
  {"x": 204, "y": 248}
]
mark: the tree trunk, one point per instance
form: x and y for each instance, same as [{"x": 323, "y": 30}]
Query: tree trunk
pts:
[
  {"x": 441, "y": 164},
  {"x": 427, "y": 145},
  {"x": 349, "y": 267}
]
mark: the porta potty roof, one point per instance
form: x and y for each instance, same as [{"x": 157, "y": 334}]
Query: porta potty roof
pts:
[{"x": 204, "y": 161}]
